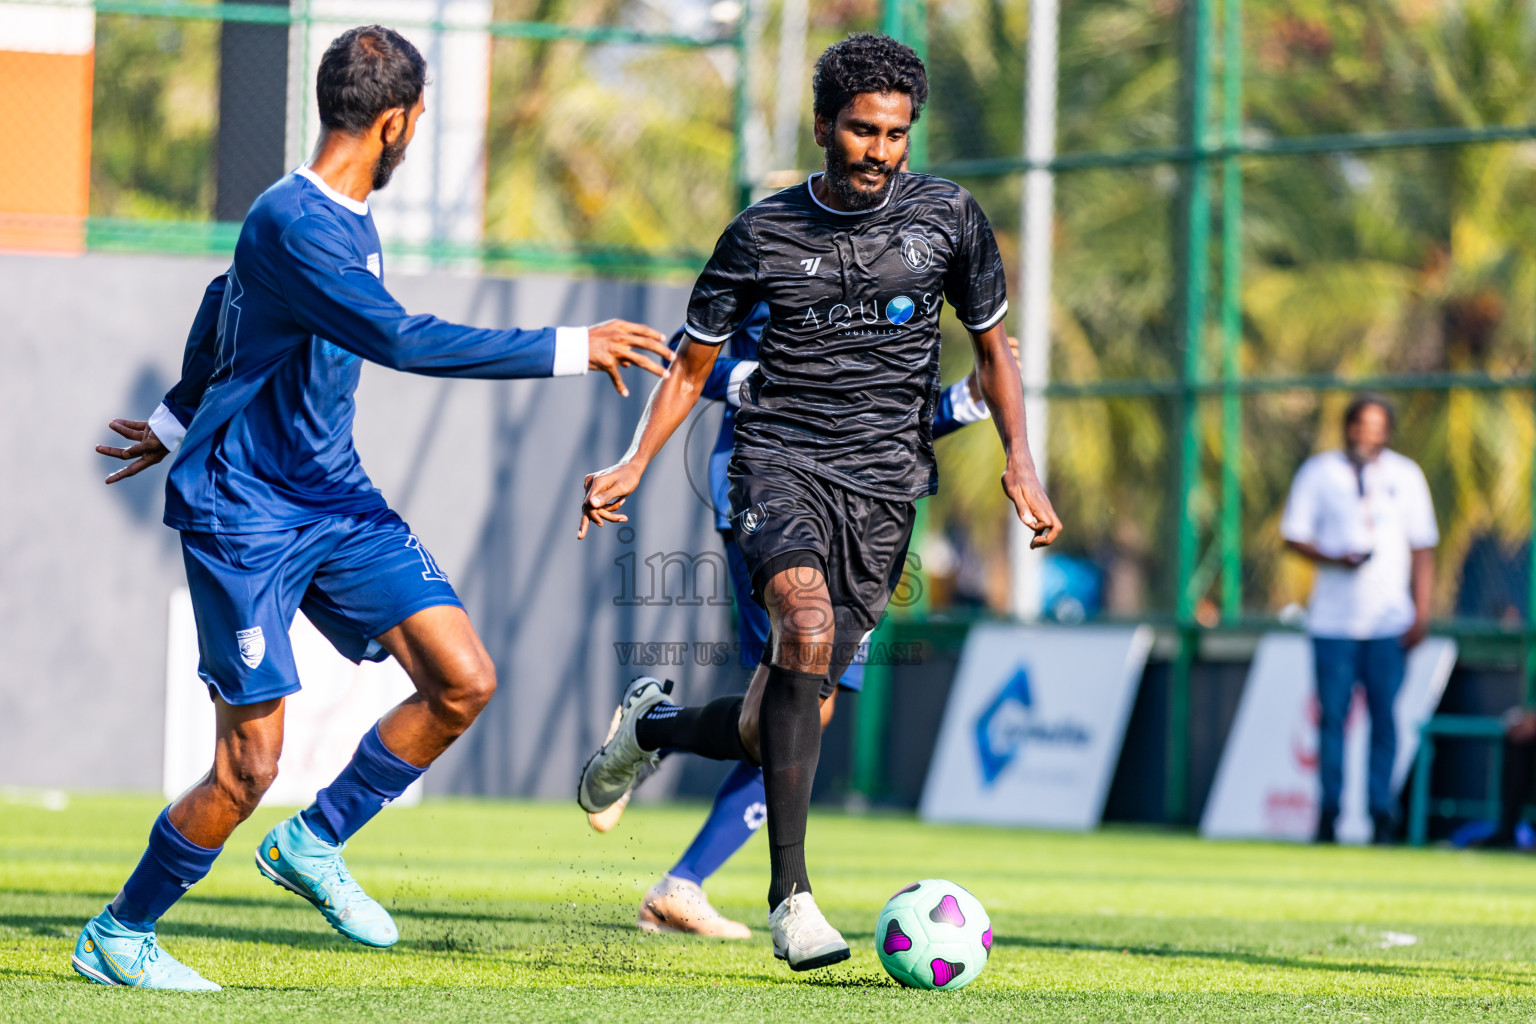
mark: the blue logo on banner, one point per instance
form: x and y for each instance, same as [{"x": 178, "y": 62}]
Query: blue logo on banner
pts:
[
  {"x": 998, "y": 747},
  {"x": 1009, "y": 721},
  {"x": 899, "y": 310}
]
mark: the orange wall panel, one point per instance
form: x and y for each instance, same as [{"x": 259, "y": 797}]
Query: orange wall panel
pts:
[{"x": 45, "y": 148}]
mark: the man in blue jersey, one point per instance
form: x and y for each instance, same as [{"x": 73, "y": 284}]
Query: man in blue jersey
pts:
[
  {"x": 277, "y": 516},
  {"x": 677, "y": 903}
]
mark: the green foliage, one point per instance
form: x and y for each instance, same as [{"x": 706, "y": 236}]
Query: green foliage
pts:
[
  {"x": 607, "y": 145},
  {"x": 1399, "y": 261},
  {"x": 155, "y": 109}
]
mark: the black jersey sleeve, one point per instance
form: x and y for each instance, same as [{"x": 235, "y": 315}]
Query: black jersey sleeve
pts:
[
  {"x": 975, "y": 283},
  {"x": 727, "y": 290}
]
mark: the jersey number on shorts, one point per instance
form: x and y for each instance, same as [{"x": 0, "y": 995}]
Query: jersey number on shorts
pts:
[{"x": 432, "y": 572}]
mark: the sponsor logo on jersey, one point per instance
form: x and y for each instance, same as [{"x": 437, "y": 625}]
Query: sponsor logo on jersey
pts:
[
  {"x": 811, "y": 266},
  {"x": 375, "y": 264},
  {"x": 897, "y": 312},
  {"x": 253, "y": 646},
  {"x": 917, "y": 252}
]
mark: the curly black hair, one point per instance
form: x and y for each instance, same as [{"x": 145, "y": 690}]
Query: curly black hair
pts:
[{"x": 867, "y": 63}]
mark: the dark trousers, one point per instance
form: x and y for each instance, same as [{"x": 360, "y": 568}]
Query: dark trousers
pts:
[
  {"x": 1515, "y": 792},
  {"x": 1378, "y": 665}
]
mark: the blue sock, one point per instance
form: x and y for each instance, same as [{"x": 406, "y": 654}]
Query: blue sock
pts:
[
  {"x": 169, "y": 867},
  {"x": 741, "y": 807},
  {"x": 370, "y": 780}
]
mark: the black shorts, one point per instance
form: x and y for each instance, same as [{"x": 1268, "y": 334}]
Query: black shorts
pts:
[{"x": 786, "y": 517}]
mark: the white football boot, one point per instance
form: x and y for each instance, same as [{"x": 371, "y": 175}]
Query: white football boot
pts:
[
  {"x": 612, "y": 772},
  {"x": 678, "y": 905},
  {"x": 803, "y": 937},
  {"x": 604, "y": 821}
]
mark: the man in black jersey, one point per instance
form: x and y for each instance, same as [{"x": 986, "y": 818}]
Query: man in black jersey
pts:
[{"x": 833, "y": 438}]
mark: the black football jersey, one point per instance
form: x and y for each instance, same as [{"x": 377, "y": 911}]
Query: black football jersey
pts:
[{"x": 848, "y": 374}]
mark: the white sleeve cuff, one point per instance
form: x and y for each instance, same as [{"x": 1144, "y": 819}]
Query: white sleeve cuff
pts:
[
  {"x": 572, "y": 350},
  {"x": 739, "y": 374},
  {"x": 989, "y": 322},
  {"x": 708, "y": 339},
  {"x": 965, "y": 408},
  {"x": 167, "y": 427}
]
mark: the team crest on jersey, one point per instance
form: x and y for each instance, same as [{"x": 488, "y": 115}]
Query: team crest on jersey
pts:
[
  {"x": 253, "y": 646},
  {"x": 753, "y": 518},
  {"x": 917, "y": 252}
]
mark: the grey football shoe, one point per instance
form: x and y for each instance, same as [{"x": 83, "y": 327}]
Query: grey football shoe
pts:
[{"x": 617, "y": 766}]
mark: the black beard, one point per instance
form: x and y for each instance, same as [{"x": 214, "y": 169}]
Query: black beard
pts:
[
  {"x": 839, "y": 178},
  {"x": 388, "y": 160}
]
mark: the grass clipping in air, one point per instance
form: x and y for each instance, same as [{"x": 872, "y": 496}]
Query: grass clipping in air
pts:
[{"x": 518, "y": 912}]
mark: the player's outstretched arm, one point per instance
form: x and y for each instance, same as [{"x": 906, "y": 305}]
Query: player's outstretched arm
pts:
[
  {"x": 669, "y": 404},
  {"x": 160, "y": 435},
  {"x": 334, "y": 296},
  {"x": 998, "y": 372}
]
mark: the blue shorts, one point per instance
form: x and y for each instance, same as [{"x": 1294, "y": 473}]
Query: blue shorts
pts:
[
  {"x": 752, "y": 618},
  {"x": 354, "y": 576}
]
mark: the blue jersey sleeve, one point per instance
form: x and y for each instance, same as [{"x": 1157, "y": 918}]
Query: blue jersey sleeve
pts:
[
  {"x": 198, "y": 358},
  {"x": 944, "y": 421},
  {"x": 743, "y": 348},
  {"x": 333, "y": 295},
  {"x": 719, "y": 375},
  {"x": 957, "y": 409}
]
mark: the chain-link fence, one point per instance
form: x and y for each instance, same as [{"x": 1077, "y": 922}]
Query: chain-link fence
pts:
[
  {"x": 566, "y": 135},
  {"x": 1260, "y": 207}
]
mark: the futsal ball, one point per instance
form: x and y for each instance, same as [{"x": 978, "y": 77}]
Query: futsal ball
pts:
[{"x": 934, "y": 934}]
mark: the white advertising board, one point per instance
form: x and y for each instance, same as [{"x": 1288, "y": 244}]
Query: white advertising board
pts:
[
  {"x": 322, "y": 722},
  {"x": 1033, "y": 726},
  {"x": 1266, "y": 786}
]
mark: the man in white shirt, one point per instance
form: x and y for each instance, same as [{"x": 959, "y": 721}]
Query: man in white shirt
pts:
[{"x": 1364, "y": 516}]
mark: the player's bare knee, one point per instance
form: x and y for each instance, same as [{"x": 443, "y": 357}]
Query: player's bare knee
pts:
[
  {"x": 802, "y": 651},
  {"x": 244, "y": 782},
  {"x": 461, "y": 697}
]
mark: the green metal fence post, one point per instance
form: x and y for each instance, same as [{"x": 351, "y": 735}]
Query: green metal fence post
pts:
[
  {"x": 742, "y": 183},
  {"x": 1530, "y": 589},
  {"x": 893, "y": 18},
  {"x": 1194, "y": 272},
  {"x": 907, "y": 21},
  {"x": 1231, "y": 313}
]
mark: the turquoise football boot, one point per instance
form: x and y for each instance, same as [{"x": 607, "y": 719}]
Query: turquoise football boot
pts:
[
  {"x": 293, "y": 858},
  {"x": 109, "y": 954}
]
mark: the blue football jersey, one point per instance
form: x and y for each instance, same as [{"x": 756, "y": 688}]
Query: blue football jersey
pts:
[{"x": 275, "y": 356}]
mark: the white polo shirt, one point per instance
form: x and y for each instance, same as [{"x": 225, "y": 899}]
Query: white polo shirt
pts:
[{"x": 1391, "y": 519}]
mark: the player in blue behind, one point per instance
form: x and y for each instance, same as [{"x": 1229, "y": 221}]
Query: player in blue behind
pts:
[
  {"x": 276, "y": 514},
  {"x": 677, "y": 903}
]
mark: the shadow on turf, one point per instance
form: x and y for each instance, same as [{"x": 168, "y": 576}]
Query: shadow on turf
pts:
[
  {"x": 59, "y": 926},
  {"x": 1259, "y": 959}
]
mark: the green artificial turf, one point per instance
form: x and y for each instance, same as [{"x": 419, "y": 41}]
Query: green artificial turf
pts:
[{"x": 513, "y": 911}]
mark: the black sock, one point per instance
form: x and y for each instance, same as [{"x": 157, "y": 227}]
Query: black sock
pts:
[
  {"x": 790, "y": 735},
  {"x": 710, "y": 731}
]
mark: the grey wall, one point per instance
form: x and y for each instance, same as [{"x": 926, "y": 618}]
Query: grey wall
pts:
[{"x": 488, "y": 474}]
